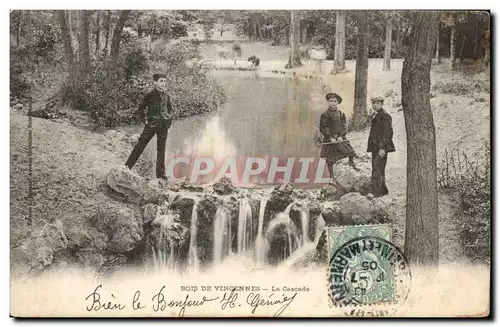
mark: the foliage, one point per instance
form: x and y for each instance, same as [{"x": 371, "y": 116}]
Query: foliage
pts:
[
  {"x": 19, "y": 85},
  {"x": 166, "y": 23},
  {"x": 468, "y": 178},
  {"x": 462, "y": 87},
  {"x": 189, "y": 82}
]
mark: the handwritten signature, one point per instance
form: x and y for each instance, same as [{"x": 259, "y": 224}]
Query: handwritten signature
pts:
[{"x": 160, "y": 303}]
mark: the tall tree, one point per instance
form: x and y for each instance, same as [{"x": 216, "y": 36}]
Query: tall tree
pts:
[
  {"x": 388, "y": 43},
  {"x": 107, "y": 27},
  {"x": 453, "y": 46},
  {"x": 361, "y": 79},
  {"x": 339, "y": 56},
  {"x": 398, "y": 38},
  {"x": 62, "y": 18},
  {"x": 438, "y": 58},
  {"x": 422, "y": 229},
  {"x": 97, "y": 31},
  {"x": 83, "y": 39},
  {"x": 19, "y": 27},
  {"x": 294, "y": 59},
  {"x": 486, "y": 42},
  {"x": 115, "y": 45}
]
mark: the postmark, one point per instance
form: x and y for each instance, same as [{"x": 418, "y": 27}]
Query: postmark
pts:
[{"x": 368, "y": 271}]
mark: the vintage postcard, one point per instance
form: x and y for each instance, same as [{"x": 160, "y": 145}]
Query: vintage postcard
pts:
[{"x": 250, "y": 163}]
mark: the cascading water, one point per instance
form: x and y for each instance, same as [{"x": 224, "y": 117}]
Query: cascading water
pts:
[
  {"x": 282, "y": 224},
  {"x": 193, "y": 260},
  {"x": 222, "y": 234},
  {"x": 244, "y": 231},
  {"x": 261, "y": 243},
  {"x": 163, "y": 258},
  {"x": 304, "y": 221}
]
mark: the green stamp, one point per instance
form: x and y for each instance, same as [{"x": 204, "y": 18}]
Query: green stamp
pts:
[
  {"x": 339, "y": 235},
  {"x": 365, "y": 267}
]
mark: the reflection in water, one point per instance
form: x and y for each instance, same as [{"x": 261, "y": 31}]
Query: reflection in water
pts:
[{"x": 265, "y": 116}]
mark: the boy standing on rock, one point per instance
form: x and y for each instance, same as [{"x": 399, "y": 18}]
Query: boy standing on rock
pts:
[
  {"x": 158, "y": 121},
  {"x": 380, "y": 144},
  {"x": 333, "y": 126}
]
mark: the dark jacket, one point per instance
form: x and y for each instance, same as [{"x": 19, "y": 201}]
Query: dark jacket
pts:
[
  {"x": 381, "y": 133},
  {"x": 333, "y": 123},
  {"x": 159, "y": 108}
]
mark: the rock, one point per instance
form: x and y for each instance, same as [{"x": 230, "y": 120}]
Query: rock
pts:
[
  {"x": 166, "y": 241},
  {"x": 149, "y": 212},
  {"x": 121, "y": 223},
  {"x": 280, "y": 198},
  {"x": 205, "y": 227},
  {"x": 37, "y": 252},
  {"x": 315, "y": 218},
  {"x": 223, "y": 186},
  {"x": 191, "y": 187},
  {"x": 282, "y": 237},
  {"x": 349, "y": 179},
  {"x": 363, "y": 210},
  {"x": 112, "y": 263},
  {"x": 332, "y": 214},
  {"x": 331, "y": 193},
  {"x": 90, "y": 258},
  {"x": 321, "y": 249},
  {"x": 296, "y": 212},
  {"x": 184, "y": 208},
  {"x": 132, "y": 187}
]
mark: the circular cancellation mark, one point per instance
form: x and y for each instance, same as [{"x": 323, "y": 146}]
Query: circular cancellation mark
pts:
[{"x": 368, "y": 276}]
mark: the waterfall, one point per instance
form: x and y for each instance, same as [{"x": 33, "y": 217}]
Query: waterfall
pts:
[
  {"x": 304, "y": 221},
  {"x": 163, "y": 258},
  {"x": 193, "y": 253},
  {"x": 261, "y": 243},
  {"x": 320, "y": 224},
  {"x": 222, "y": 234},
  {"x": 244, "y": 218},
  {"x": 289, "y": 207},
  {"x": 282, "y": 220}
]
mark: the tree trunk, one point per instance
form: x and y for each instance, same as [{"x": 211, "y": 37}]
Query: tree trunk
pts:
[
  {"x": 453, "y": 46},
  {"x": 259, "y": 29},
  {"x": 115, "y": 45},
  {"x": 422, "y": 229},
  {"x": 487, "y": 44},
  {"x": 361, "y": 79},
  {"x": 68, "y": 47},
  {"x": 19, "y": 27},
  {"x": 97, "y": 31},
  {"x": 151, "y": 36},
  {"x": 438, "y": 58},
  {"x": 303, "y": 31},
  {"x": 398, "y": 39},
  {"x": 460, "y": 54},
  {"x": 339, "y": 55},
  {"x": 83, "y": 40},
  {"x": 388, "y": 44},
  {"x": 294, "y": 60},
  {"x": 107, "y": 26},
  {"x": 476, "y": 41}
]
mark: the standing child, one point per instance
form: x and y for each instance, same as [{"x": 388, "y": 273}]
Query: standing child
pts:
[
  {"x": 157, "y": 121},
  {"x": 333, "y": 126}
]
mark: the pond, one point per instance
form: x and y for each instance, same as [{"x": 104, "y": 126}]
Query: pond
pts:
[{"x": 266, "y": 116}]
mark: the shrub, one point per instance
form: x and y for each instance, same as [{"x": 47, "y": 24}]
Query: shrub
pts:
[
  {"x": 462, "y": 88},
  {"x": 189, "y": 82},
  {"x": 468, "y": 179}
]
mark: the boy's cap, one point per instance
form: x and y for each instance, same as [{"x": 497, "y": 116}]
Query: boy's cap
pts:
[
  {"x": 334, "y": 95},
  {"x": 157, "y": 76},
  {"x": 378, "y": 99}
]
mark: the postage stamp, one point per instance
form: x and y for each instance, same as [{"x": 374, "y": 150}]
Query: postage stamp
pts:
[{"x": 366, "y": 268}]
